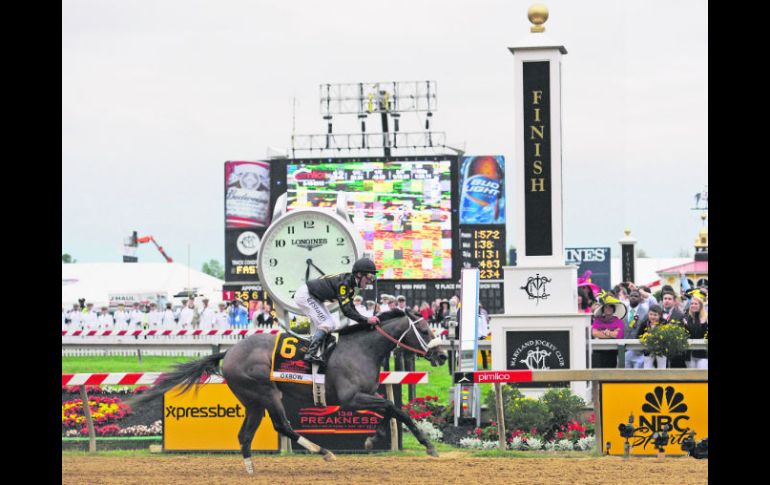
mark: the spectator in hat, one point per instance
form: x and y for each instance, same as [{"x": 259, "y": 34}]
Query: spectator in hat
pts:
[
  {"x": 75, "y": 317},
  {"x": 370, "y": 308},
  {"x": 105, "y": 319},
  {"x": 220, "y": 317},
  {"x": 385, "y": 303},
  {"x": 168, "y": 321},
  {"x": 442, "y": 313},
  {"x": 401, "y": 303},
  {"x": 186, "y": 315},
  {"x": 607, "y": 324},
  {"x": 121, "y": 317},
  {"x": 154, "y": 317},
  {"x": 358, "y": 303},
  {"x": 207, "y": 316},
  {"x": 135, "y": 317},
  {"x": 90, "y": 318}
]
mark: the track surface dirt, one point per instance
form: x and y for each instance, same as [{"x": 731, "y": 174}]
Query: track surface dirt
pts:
[{"x": 449, "y": 468}]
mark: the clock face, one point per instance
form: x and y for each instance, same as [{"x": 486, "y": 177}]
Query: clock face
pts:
[{"x": 302, "y": 245}]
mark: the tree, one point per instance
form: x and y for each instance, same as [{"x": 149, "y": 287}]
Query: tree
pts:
[
  {"x": 214, "y": 268},
  {"x": 66, "y": 258},
  {"x": 640, "y": 253}
]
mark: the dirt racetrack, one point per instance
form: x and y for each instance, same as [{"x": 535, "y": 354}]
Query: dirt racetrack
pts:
[{"x": 449, "y": 468}]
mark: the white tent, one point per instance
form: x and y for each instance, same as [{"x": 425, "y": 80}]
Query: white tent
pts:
[{"x": 97, "y": 282}]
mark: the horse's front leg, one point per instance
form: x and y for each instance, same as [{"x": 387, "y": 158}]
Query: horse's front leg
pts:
[
  {"x": 363, "y": 400},
  {"x": 381, "y": 431}
]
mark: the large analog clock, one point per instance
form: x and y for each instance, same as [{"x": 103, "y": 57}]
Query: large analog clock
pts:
[{"x": 302, "y": 245}]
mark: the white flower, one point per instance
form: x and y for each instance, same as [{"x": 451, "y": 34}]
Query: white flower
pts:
[
  {"x": 534, "y": 444},
  {"x": 517, "y": 443},
  {"x": 564, "y": 445},
  {"x": 587, "y": 443}
]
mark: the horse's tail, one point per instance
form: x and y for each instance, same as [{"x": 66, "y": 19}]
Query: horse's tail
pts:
[{"x": 186, "y": 374}]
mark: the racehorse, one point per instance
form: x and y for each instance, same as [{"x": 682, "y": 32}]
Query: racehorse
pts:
[{"x": 352, "y": 378}]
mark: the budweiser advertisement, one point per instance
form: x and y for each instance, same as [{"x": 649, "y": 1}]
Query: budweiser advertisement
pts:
[
  {"x": 247, "y": 194},
  {"x": 482, "y": 190}
]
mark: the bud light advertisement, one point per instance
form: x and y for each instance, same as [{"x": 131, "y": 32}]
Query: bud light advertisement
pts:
[{"x": 482, "y": 190}]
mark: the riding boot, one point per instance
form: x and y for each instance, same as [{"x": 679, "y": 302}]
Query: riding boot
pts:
[{"x": 315, "y": 343}]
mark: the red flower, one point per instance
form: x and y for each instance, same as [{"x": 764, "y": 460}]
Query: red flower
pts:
[{"x": 559, "y": 434}]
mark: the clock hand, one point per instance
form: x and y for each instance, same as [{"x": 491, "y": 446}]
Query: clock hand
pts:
[
  {"x": 310, "y": 263},
  {"x": 307, "y": 271}
]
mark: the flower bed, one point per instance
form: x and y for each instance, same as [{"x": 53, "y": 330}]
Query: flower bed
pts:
[{"x": 111, "y": 416}]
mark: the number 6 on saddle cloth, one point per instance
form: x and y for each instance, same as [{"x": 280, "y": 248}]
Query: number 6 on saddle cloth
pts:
[{"x": 289, "y": 364}]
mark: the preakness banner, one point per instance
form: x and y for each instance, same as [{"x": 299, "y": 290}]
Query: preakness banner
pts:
[
  {"x": 683, "y": 406},
  {"x": 210, "y": 421}
]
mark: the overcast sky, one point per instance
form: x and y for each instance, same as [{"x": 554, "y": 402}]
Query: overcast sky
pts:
[{"x": 156, "y": 95}]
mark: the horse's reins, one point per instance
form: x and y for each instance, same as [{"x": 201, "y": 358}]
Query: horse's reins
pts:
[{"x": 412, "y": 326}]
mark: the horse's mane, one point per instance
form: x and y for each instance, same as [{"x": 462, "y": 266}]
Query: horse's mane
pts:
[
  {"x": 390, "y": 314},
  {"x": 384, "y": 317}
]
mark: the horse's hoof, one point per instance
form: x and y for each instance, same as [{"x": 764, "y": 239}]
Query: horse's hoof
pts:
[
  {"x": 329, "y": 456},
  {"x": 249, "y": 466},
  {"x": 432, "y": 452},
  {"x": 369, "y": 444}
]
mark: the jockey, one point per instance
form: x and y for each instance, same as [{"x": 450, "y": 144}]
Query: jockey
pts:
[{"x": 341, "y": 287}]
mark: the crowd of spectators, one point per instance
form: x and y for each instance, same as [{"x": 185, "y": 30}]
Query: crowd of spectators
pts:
[
  {"x": 150, "y": 316},
  {"x": 234, "y": 314},
  {"x": 628, "y": 311}
]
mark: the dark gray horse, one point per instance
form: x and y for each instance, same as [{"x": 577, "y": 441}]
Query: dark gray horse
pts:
[{"x": 352, "y": 378}]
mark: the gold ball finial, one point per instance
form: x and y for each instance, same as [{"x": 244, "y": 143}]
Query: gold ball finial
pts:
[
  {"x": 627, "y": 232},
  {"x": 538, "y": 14}
]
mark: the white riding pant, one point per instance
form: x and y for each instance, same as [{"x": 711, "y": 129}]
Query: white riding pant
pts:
[{"x": 319, "y": 315}]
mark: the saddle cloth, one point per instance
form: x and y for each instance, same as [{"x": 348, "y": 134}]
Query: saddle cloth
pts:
[{"x": 288, "y": 364}]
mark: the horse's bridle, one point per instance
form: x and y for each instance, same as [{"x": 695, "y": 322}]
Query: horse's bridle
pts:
[{"x": 412, "y": 326}]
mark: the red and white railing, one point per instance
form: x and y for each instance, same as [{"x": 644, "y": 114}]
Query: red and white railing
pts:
[{"x": 150, "y": 378}]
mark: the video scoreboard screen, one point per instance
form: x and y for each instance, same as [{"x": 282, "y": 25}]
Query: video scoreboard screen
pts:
[{"x": 403, "y": 209}]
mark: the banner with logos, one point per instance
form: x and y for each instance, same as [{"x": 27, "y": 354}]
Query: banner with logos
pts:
[
  {"x": 209, "y": 420},
  {"x": 682, "y": 406}
]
